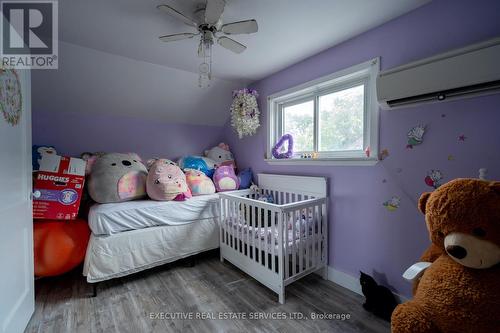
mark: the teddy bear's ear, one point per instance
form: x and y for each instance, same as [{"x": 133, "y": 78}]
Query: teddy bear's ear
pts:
[
  {"x": 422, "y": 202},
  {"x": 206, "y": 152},
  {"x": 495, "y": 187}
]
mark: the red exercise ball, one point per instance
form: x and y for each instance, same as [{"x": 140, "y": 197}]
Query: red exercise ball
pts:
[{"x": 59, "y": 245}]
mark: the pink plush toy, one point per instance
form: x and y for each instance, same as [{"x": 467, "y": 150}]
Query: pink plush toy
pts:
[
  {"x": 166, "y": 181},
  {"x": 225, "y": 179},
  {"x": 198, "y": 182}
]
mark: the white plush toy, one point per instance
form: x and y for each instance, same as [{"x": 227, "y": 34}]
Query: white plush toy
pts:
[{"x": 221, "y": 155}]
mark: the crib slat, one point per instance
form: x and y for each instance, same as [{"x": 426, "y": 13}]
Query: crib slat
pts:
[
  {"x": 230, "y": 219},
  {"x": 235, "y": 225},
  {"x": 307, "y": 223},
  {"x": 325, "y": 233},
  {"x": 254, "y": 230},
  {"x": 280, "y": 246},
  {"x": 259, "y": 224},
  {"x": 237, "y": 222},
  {"x": 224, "y": 220},
  {"x": 228, "y": 215},
  {"x": 266, "y": 237},
  {"x": 247, "y": 238},
  {"x": 294, "y": 248},
  {"x": 288, "y": 218},
  {"x": 315, "y": 235},
  {"x": 274, "y": 239}
]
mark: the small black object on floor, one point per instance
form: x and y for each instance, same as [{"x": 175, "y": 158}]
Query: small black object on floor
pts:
[{"x": 379, "y": 300}]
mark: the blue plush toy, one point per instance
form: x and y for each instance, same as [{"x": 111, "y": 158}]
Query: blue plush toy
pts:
[
  {"x": 245, "y": 176},
  {"x": 37, "y": 153},
  {"x": 203, "y": 164}
]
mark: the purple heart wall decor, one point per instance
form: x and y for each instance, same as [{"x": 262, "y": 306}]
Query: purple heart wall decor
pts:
[{"x": 280, "y": 143}]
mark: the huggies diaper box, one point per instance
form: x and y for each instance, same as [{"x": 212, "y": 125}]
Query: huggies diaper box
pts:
[{"x": 58, "y": 187}]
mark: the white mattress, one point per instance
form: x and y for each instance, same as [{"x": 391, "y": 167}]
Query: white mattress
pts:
[
  {"x": 129, "y": 252},
  {"x": 113, "y": 218}
]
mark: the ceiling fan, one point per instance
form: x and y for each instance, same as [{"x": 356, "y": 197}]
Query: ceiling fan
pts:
[{"x": 208, "y": 21}]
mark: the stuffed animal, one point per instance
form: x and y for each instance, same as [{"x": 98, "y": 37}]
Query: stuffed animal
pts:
[
  {"x": 460, "y": 290},
  {"x": 221, "y": 155},
  {"x": 166, "y": 181},
  {"x": 225, "y": 179},
  {"x": 203, "y": 164},
  {"x": 116, "y": 177},
  {"x": 38, "y": 152},
  {"x": 199, "y": 183},
  {"x": 245, "y": 177}
]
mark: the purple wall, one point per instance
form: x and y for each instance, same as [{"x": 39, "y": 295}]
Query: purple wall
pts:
[
  {"x": 363, "y": 234},
  {"x": 74, "y": 133}
]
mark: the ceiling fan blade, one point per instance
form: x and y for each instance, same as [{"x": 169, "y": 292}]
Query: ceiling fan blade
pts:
[
  {"x": 242, "y": 27},
  {"x": 231, "y": 44},
  {"x": 214, "y": 10},
  {"x": 175, "y": 13},
  {"x": 174, "y": 37}
]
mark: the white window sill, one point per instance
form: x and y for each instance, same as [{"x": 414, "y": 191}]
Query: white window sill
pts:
[{"x": 323, "y": 162}]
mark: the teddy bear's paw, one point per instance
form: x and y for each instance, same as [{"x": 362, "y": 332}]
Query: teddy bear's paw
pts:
[{"x": 409, "y": 318}]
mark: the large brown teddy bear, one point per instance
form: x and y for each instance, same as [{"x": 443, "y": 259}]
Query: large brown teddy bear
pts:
[{"x": 460, "y": 291}]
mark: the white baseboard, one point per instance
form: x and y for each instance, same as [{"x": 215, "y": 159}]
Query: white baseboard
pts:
[
  {"x": 344, "y": 280},
  {"x": 351, "y": 283}
]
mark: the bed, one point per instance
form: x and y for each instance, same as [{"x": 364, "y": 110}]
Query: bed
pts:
[{"x": 133, "y": 236}]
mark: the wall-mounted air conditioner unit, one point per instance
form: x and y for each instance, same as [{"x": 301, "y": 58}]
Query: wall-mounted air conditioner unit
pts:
[{"x": 466, "y": 72}]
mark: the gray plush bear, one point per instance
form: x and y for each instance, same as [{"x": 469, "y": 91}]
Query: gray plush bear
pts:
[{"x": 116, "y": 177}]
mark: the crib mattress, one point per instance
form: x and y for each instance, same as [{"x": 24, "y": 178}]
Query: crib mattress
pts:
[
  {"x": 132, "y": 251},
  {"x": 113, "y": 218},
  {"x": 265, "y": 237}
]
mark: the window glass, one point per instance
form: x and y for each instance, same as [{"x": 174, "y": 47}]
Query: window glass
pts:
[
  {"x": 341, "y": 120},
  {"x": 298, "y": 120}
]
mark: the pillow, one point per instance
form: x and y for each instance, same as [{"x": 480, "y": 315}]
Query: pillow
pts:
[
  {"x": 245, "y": 177},
  {"x": 198, "y": 182},
  {"x": 116, "y": 177},
  {"x": 221, "y": 155},
  {"x": 203, "y": 164},
  {"x": 166, "y": 181},
  {"x": 38, "y": 153},
  {"x": 225, "y": 179}
]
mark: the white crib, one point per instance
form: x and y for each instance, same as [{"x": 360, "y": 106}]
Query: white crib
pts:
[{"x": 276, "y": 243}]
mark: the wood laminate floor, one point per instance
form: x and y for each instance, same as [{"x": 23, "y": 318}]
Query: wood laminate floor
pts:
[{"x": 147, "y": 302}]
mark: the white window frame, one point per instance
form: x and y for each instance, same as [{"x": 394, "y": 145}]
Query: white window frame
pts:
[{"x": 364, "y": 73}]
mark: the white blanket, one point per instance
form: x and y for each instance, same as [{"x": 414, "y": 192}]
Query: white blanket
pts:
[{"x": 109, "y": 219}]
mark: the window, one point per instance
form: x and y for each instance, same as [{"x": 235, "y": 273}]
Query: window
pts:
[{"x": 334, "y": 118}]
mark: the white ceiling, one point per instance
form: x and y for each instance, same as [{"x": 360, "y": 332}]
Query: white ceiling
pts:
[
  {"x": 289, "y": 30},
  {"x": 111, "y": 61}
]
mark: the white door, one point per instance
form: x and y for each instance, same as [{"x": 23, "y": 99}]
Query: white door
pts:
[{"x": 16, "y": 222}]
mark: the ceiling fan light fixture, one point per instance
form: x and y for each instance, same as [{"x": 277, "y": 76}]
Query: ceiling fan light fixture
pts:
[
  {"x": 205, "y": 52},
  {"x": 208, "y": 21}
]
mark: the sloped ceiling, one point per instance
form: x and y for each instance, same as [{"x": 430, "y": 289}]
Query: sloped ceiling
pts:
[
  {"x": 111, "y": 60},
  {"x": 91, "y": 81}
]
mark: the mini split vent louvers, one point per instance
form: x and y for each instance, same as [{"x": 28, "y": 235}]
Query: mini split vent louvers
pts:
[{"x": 461, "y": 73}]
